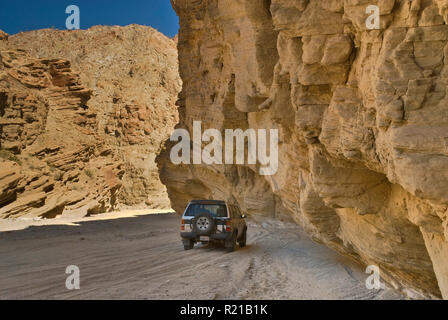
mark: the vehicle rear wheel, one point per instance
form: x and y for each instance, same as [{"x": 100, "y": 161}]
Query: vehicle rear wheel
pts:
[
  {"x": 204, "y": 224},
  {"x": 242, "y": 240},
  {"x": 188, "y": 244},
  {"x": 231, "y": 244}
]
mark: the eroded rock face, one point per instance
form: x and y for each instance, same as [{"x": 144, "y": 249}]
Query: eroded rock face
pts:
[
  {"x": 362, "y": 116},
  {"x": 84, "y": 140},
  {"x": 3, "y": 35}
]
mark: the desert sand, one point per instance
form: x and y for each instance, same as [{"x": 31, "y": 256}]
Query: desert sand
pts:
[{"x": 138, "y": 255}]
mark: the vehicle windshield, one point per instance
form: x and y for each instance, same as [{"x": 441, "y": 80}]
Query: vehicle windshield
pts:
[{"x": 216, "y": 210}]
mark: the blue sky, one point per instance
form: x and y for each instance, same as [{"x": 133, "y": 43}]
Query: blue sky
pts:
[{"x": 24, "y": 15}]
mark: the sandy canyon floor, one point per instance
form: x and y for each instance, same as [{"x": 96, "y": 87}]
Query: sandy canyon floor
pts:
[{"x": 136, "y": 255}]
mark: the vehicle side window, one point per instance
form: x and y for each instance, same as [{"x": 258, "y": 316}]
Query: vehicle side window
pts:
[{"x": 229, "y": 208}]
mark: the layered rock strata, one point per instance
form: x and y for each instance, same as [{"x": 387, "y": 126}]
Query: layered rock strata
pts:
[
  {"x": 362, "y": 117},
  {"x": 82, "y": 116}
]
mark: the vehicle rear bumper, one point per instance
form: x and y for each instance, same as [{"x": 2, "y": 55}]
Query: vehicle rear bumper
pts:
[
  {"x": 215, "y": 236},
  {"x": 188, "y": 235}
]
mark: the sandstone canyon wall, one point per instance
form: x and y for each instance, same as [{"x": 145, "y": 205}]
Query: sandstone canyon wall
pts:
[
  {"x": 82, "y": 116},
  {"x": 362, "y": 116}
]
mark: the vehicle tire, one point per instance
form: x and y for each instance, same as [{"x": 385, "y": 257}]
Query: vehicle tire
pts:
[
  {"x": 188, "y": 244},
  {"x": 231, "y": 244},
  {"x": 204, "y": 224},
  {"x": 242, "y": 240}
]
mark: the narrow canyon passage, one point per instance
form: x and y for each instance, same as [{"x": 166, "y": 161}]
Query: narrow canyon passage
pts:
[
  {"x": 142, "y": 258},
  {"x": 357, "y": 116}
]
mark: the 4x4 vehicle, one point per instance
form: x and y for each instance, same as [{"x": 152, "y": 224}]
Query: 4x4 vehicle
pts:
[{"x": 213, "y": 221}]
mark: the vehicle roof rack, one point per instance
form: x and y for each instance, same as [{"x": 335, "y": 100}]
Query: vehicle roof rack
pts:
[{"x": 207, "y": 202}]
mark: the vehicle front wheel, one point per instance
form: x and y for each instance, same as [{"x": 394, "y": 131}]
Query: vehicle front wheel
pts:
[
  {"x": 188, "y": 244},
  {"x": 231, "y": 244},
  {"x": 242, "y": 240}
]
